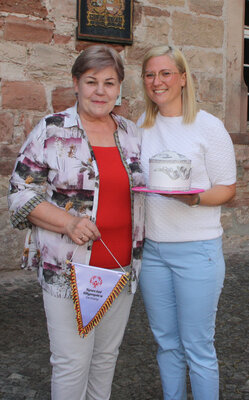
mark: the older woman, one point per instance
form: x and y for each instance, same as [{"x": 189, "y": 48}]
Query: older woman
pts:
[
  {"x": 183, "y": 267},
  {"x": 71, "y": 186}
]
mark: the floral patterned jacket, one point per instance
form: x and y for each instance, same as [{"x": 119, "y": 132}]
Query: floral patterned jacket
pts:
[{"x": 57, "y": 164}]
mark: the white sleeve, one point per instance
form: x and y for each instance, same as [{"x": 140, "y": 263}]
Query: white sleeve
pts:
[{"x": 220, "y": 157}]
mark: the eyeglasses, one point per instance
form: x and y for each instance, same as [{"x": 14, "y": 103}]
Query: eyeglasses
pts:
[{"x": 164, "y": 75}]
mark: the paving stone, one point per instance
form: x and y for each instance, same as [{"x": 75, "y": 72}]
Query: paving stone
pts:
[{"x": 24, "y": 348}]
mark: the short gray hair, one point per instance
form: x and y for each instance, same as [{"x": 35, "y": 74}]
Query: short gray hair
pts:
[{"x": 98, "y": 57}]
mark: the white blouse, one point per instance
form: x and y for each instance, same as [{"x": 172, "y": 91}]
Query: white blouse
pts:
[{"x": 207, "y": 143}]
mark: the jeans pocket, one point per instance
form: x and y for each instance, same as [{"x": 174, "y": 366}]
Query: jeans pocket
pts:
[{"x": 212, "y": 249}]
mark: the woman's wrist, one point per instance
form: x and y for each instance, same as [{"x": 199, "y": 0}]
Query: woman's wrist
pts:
[
  {"x": 50, "y": 217},
  {"x": 197, "y": 201}
]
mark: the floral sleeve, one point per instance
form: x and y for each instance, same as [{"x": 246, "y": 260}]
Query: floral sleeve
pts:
[{"x": 29, "y": 179}]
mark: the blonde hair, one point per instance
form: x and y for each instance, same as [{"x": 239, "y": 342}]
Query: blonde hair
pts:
[{"x": 189, "y": 106}]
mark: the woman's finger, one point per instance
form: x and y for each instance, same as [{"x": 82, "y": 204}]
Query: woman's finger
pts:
[{"x": 89, "y": 229}]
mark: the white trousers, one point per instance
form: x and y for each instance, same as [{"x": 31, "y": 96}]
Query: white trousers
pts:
[{"x": 83, "y": 368}]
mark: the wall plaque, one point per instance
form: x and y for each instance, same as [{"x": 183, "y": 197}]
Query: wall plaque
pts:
[{"x": 105, "y": 20}]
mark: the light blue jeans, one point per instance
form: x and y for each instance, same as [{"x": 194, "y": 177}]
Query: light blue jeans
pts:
[{"x": 181, "y": 284}]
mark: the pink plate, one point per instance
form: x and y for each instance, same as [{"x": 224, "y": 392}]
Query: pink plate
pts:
[{"x": 146, "y": 190}]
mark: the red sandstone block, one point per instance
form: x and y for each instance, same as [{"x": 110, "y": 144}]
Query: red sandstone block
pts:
[
  {"x": 136, "y": 53},
  {"x": 206, "y": 7},
  {"x": 81, "y": 45},
  {"x": 6, "y": 127},
  {"x": 9, "y": 151},
  {"x": 137, "y": 17},
  {"x": 123, "y": 109},
  {"x": 63, "y": 98},
  {"x": 8, "y": 155},
  {"x": 240, "y": 201},
  {"x": 1, "y": 23},
  {"x": 28, "y": 7},
  {"x": 246, "y": 165},
  {"x": 6, "y": 166},
  {"x": 24, "y": 29},
  {"x": 155, "y": 12},
  {"x": 23, "y": 95},
  {"x": 27, "y": 127},
  {"x": 61, "y": 39},
  {"x": 27, "y": 122}
]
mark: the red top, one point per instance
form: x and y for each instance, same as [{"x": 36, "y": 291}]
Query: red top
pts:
[{"x": 114, "y": 210}]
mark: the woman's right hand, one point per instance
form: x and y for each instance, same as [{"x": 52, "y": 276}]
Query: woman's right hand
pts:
[{"x": 81, "y": 230}]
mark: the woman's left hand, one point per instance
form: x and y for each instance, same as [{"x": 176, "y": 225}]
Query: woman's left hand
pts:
[
  {"x": 188, "y": 199},
  {"x": 81, "y": 230},
  {"x": 215, "y": 196}
]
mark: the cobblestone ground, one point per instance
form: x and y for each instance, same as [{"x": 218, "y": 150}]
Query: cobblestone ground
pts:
[{"x": 25, "y": 370}]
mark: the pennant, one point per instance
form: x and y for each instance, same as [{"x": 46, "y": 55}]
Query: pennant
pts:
[{"x": 94, "y": 290}]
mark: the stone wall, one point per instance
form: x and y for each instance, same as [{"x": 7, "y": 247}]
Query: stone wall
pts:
[{"x": 38, "y": 46}]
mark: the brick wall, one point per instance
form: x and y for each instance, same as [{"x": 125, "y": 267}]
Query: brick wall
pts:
[{"x": 38, "y": 47}]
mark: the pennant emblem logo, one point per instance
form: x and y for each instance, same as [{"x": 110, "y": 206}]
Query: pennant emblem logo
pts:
[{"x": 96, "y": 281}]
